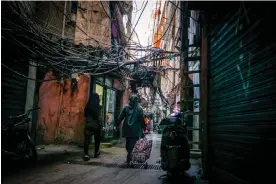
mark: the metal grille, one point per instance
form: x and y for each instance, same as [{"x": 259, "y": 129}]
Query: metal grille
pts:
[
  {"x": 191, "y": 75},
  {"x": 117, "y": 165}
]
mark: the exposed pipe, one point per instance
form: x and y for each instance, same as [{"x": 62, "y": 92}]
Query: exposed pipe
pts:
[
  {"x": 62, "y": 81},
  {"x": 64, "y": 19}
]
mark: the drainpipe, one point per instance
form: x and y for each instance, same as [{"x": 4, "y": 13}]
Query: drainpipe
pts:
[
  {"x": 61, "y": 81},
  {"x": 184, "y": 49}
]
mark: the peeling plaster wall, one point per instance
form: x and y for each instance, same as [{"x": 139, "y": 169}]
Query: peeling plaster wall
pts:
[
  {"x": 61, "y": 115},
  {"x": 95, "y": 24}
]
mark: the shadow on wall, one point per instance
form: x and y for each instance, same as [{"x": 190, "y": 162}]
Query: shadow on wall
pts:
[{"x": 61, "y": 116}]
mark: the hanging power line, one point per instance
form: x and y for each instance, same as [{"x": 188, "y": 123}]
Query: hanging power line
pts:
[
  {"x": 118, "y": 28},
  {"x": 64, "y": 56},
  {"x": 165, "y": 30},
  {"x": 78, "y": 26},
  {"x": 26, "y": 77},
  {"x": 138, "y": 20}
]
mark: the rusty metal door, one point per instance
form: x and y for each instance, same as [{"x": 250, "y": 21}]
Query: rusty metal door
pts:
[{"x": 242, "y": 98}]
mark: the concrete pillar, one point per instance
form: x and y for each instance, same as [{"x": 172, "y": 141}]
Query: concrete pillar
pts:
[{"x": 31, "y": 90}]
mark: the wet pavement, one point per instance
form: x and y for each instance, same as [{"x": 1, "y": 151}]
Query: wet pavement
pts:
[{"x": 106, "y": 169}]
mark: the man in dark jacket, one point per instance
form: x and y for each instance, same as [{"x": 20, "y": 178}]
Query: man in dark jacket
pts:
[
  {"x": 133, "y": 124},
  {"x": 93, "y": 125}
]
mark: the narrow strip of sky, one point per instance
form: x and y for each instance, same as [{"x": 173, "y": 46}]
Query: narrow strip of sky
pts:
[{"x": 142, "y": 27}]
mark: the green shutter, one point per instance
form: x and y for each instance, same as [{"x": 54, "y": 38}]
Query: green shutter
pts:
[{"x": 242, "y": 100}]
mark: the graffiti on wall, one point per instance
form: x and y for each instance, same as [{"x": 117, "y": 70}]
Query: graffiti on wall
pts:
[
  {"x": 245, "y": 76},
  {"x": 242, "y": 58}
]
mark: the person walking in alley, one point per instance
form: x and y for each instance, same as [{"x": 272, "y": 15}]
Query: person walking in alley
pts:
[
  {"x": 93, "y": 125},
  {"x": 146, "y": 120},
  {"x": 133, "y": 125}
]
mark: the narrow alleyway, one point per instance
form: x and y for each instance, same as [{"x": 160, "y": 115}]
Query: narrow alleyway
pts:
[{"x": 108, "y": 168}]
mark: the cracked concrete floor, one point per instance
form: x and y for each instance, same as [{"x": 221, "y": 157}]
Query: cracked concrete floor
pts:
[{"x": 79, "y": 173}]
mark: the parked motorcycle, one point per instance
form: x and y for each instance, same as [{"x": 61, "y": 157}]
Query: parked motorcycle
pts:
[
  {"x": 175, "y": 150},
  {"x": 16, "y": 141}
]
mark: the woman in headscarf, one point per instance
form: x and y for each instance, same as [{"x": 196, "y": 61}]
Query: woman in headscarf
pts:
[
  {"x": 133, "y": 124},
  {"x": 93, "y": 125}
]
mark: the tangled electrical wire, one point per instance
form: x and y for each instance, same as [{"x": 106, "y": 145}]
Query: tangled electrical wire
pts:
[{"x": 61, "y": 55}]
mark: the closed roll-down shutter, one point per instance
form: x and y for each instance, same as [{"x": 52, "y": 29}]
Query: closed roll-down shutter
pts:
[
  {"x": 13, "y": 89},
  {"x": 242, "y": 98}
]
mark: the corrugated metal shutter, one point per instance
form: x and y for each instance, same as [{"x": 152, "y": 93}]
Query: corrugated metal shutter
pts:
[
  {"x": 13, "y": 89},
  {"x": 13, "y": 86},
  {"x": 242, "y": 105}
]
